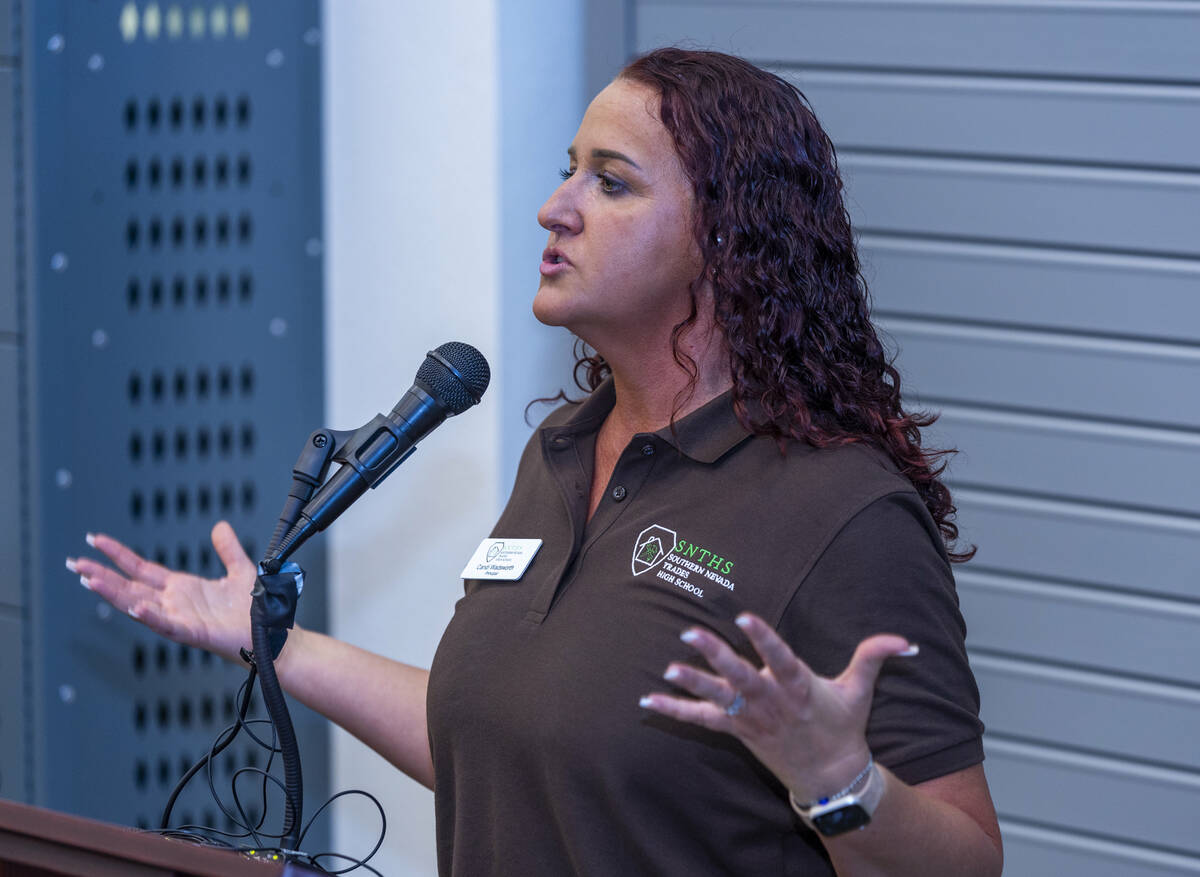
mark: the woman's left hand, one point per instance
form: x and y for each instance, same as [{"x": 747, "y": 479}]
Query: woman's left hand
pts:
[{"x": 808, "y": 730}]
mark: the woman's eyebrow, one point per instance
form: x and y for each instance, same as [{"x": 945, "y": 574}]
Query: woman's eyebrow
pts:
[{"x": 606, "y": 153}]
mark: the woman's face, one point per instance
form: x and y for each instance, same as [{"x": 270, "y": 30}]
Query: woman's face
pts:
[{"x": 621, "y": 252}]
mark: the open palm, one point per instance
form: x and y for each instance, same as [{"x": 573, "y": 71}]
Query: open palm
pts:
[{"x": 212, "y": 614}]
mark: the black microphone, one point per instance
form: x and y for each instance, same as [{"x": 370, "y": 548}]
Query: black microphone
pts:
[{"x": 449, "y": 381}]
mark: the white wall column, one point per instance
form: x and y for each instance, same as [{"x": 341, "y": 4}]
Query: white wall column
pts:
[{"x": 445, "y": 125}]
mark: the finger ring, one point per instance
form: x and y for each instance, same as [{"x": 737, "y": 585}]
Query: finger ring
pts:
[{"x": 736, "y": 707}]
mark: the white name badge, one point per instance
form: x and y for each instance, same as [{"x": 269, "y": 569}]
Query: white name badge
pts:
[{"x": 501, "y": 559}]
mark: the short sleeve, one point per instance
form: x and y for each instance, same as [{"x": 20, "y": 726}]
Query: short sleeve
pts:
[{"x": 886, "y": 572}]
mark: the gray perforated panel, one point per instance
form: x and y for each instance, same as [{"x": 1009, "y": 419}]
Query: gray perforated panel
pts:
[{"x": 173, "y": 365}]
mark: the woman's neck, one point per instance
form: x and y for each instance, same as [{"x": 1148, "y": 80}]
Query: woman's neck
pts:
[{"x": 652, "y": 390}]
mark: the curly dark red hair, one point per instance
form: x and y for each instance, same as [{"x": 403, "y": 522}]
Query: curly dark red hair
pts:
[{"x": 780, "y": 254}]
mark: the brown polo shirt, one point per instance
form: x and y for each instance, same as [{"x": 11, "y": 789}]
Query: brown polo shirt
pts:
[{"x": 545, "y": 764}]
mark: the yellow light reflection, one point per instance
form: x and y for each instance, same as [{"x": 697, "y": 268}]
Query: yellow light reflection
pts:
[
  {"x": 241, "y": 21},
  {"x": 128, "y": 22},
  {"x": 196, "y": 22},
  {"x": 218, "y": 23},
  {"x": 174, "y": 22},
  {"x": 151, "y": 21}
]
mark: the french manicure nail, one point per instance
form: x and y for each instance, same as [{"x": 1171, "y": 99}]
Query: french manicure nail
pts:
[
  {"x": 742, "y": 621},
  {"x": 644, "y": 702},
  {"x": 671, "y": 674},
  {"x": 133, "y": 613},
  {"x": 689, "y": 636},
  {"x": 83, "y": 581},
  {"x": 71, "y": 565},
  {"x": 912, "y": 650},
  {"x": 90, "y": 538}
]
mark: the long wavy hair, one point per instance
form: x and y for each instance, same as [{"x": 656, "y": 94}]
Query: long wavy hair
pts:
[{"x": 780, "y": 256}]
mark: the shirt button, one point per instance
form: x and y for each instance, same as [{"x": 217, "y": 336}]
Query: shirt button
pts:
[
  {"x": 618, "y": 493},
  {"x": 647, "y": 449}
]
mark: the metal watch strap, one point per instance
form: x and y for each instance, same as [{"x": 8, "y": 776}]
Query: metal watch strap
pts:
[
  {"x": 850, "y": 787},
  {"x": 866, "y": 800}
]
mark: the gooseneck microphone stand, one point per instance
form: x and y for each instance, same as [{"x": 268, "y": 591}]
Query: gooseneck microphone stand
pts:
[
  {"x": 273, "y": 612},
  {"x": 451, "y": 380}
]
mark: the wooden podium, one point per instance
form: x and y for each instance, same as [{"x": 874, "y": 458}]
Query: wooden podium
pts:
[{"x": 45, "y": 843}]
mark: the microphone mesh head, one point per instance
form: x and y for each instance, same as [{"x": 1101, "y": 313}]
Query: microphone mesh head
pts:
[{"x": 456, "y": 392}]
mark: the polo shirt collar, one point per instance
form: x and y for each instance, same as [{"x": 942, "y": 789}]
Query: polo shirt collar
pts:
[
  {"x": 709, "y": 432},
  {"x": 705, "y": 435}
]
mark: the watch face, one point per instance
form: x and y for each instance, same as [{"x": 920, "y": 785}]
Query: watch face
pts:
[{"x": 843, "y": 819}]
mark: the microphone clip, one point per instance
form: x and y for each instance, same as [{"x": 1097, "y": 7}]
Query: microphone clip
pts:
[{"x": 374, "y": 449}]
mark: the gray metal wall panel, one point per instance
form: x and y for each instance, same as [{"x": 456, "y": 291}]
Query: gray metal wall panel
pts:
[
  {"x": 1142, "y": 636},
  {"x": 8, "y": 44},
  {"x": 1034, "y": 701},
  {"x": 10, "y": 499},
  {"x": 1110, "y": 294},
  {"x": 13, "y": 760},
  {"x": 1085, "y": 376},
  {"x": 172, "y": 317},
  {"x": 1110, "y": 547},
  {"x": 1090, "y": 38},
  {"x": 8, "y": 234},
  {"x": 1135, "y": 467},
  {"x": 1024, "y": 180},
  {"x": 608, "y": 27},
  {"x": 1073, "y": 790},
  {"x": 1032, "y": 851},
  {"x": 1031, "y": 119},
  {"x": 1025, "y": 203}
]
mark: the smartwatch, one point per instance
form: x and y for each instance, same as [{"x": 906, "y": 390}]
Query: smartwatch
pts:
[{"x": 848, "y": 809}]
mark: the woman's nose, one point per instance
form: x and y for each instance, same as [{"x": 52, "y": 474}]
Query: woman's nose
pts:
[{"x": 559, "y": 213}]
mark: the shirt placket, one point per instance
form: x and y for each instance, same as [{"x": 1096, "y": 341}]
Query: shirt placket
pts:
[{"x": 572, "y": 470}]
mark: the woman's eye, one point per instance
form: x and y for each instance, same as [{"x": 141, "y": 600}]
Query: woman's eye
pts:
[{"x": 608, "y": 184}]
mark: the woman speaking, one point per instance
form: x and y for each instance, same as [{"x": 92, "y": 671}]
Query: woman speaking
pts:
[{"x": 738, "y": 648}]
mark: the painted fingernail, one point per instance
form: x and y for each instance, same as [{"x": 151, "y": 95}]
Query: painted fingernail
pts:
[
  {"x": 71, "y": 565},
  {"x": 90, "y": 538},
  {"x": 689, "y": 636},
  {"x": 83, "y": 581},
  {"x": 133, "y": 613},
  {"x": 912, "y": 650},
  {"x": 671, "y": 674},
  {"x": 742, "y": 621},
  {"x": 644, "y": 702}
]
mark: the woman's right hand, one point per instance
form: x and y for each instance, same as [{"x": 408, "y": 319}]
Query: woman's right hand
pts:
[{"x": 212, "y": 614}]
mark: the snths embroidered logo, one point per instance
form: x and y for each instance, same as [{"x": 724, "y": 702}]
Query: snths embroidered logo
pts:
[
  {"x": 680, "y": 560},
  {"x": 651, "y": 548}
]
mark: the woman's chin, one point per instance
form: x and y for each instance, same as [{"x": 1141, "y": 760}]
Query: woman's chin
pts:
[{"x": 549, "y": 309}]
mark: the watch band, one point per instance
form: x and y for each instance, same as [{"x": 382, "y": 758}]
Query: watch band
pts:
[
  {"x": 846, "y": 810},
  {"x": 850, "y": 787}
]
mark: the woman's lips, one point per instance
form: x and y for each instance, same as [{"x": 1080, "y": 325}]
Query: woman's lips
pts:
[
  {"x": 553, "y": 262},
  {"x": 549, "y": 269}
]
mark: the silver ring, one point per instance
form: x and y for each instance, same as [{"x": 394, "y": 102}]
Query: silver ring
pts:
[{"x": 736, "y": 707}]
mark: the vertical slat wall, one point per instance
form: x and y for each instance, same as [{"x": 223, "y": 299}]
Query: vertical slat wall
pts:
[{"x": 1025, "y": 178}]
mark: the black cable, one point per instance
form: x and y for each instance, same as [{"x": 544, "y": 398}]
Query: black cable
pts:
[
  {"x": 382, "y": 830},
  {"x": 220, "y": 747},
  {"x": 358, "y": 863},
  {"x": 256, "y": 830},
  {"x": 263, "y": 844}
]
